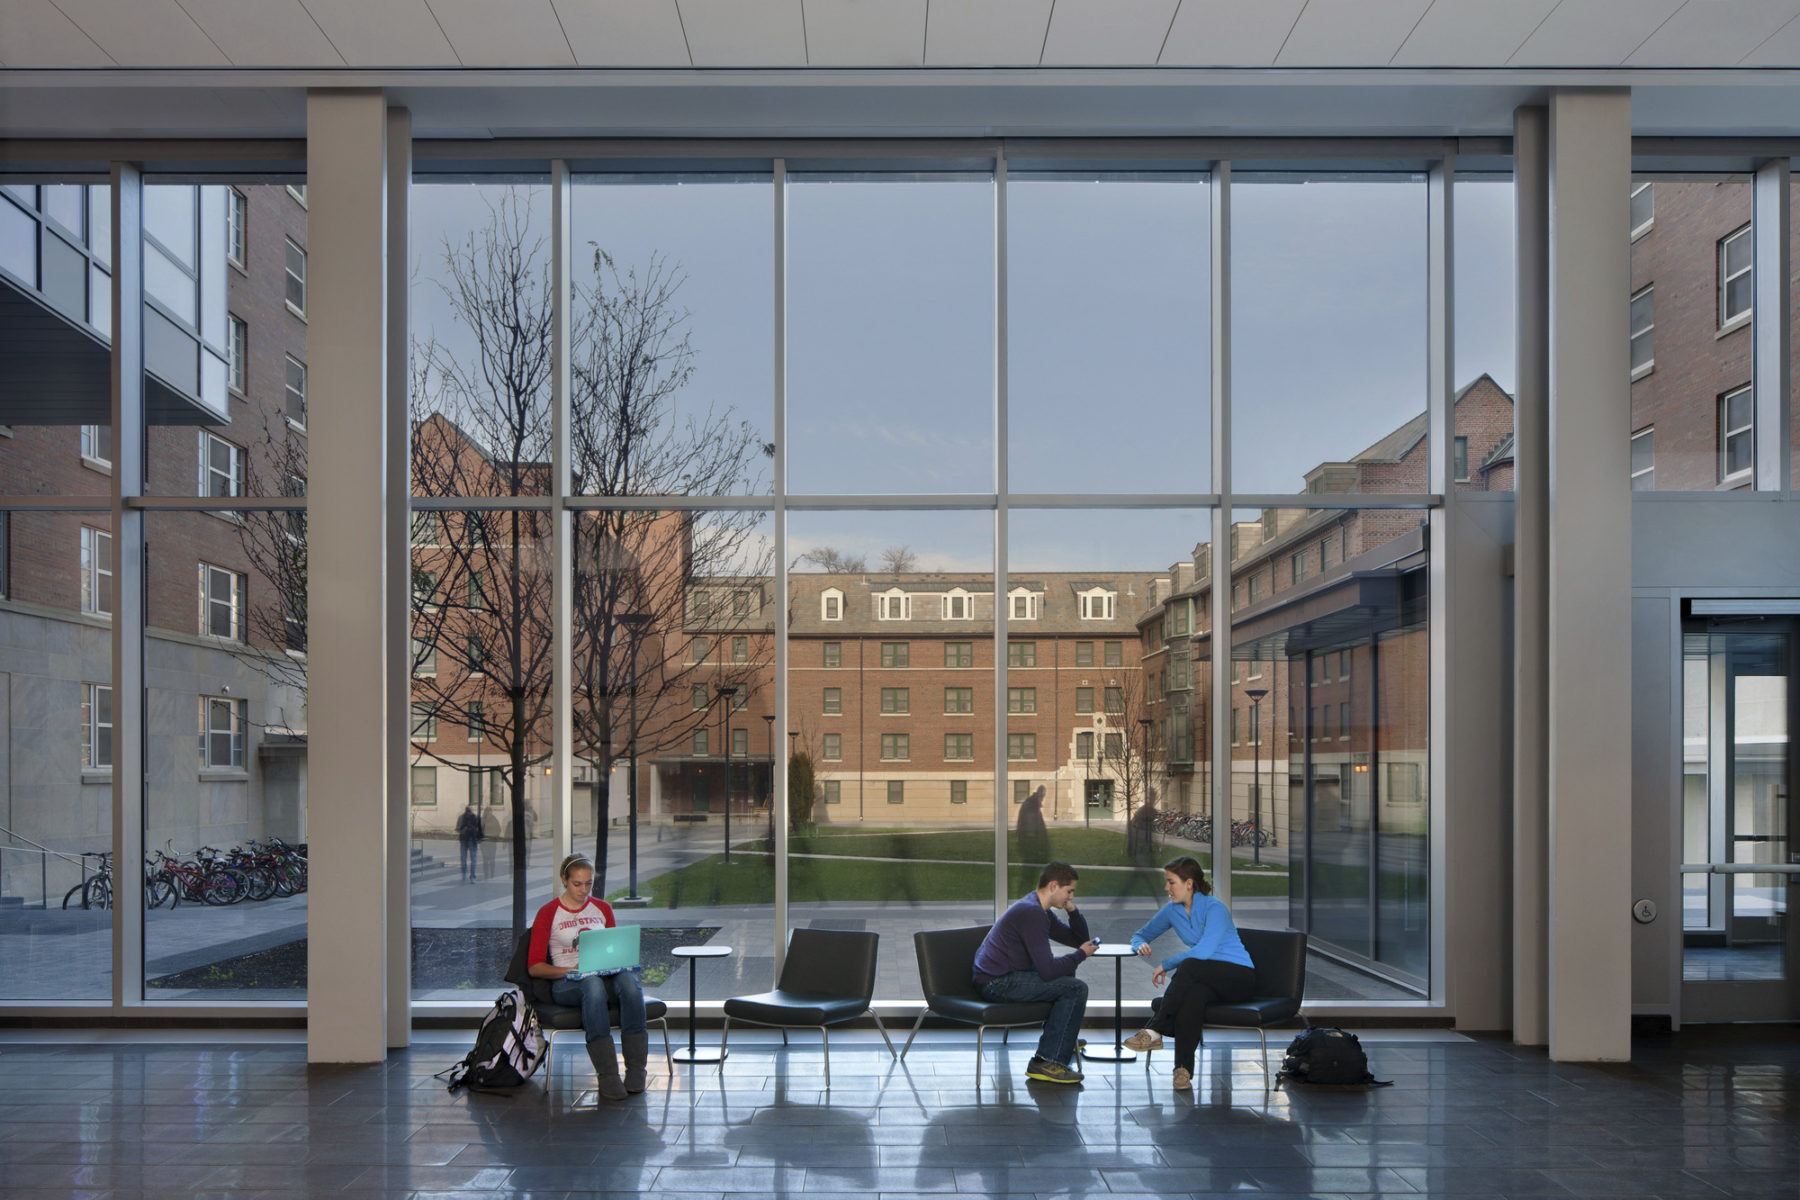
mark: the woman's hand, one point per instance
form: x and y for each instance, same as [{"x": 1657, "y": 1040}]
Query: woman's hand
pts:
[
  {"x": 1158, "y": 976},
  {"x": 1144, "y": 950}
]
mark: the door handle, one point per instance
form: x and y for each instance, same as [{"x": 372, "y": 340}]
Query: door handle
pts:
[{"x": 1740, "y": 868}]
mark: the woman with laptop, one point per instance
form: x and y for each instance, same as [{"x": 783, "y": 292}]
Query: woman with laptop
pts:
[
  {"x": 1214, "y": 967},
  {"x": 555, "y": 956}
]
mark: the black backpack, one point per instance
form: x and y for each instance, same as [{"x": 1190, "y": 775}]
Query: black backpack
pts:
[
  {"x": 508, "y": 1048},
  {"x": 1328, "y": 1056}
]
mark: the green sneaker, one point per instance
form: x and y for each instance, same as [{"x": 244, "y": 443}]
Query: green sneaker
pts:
[{"x": 1045, "y": 1071}]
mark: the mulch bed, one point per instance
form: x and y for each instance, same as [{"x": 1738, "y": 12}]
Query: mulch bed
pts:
[{"x": 471, "y": 960}]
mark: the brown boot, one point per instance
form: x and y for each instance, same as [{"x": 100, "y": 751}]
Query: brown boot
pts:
[
  {"x": 606, "y": 1067},
  {"x": 637, "y": 1049}
]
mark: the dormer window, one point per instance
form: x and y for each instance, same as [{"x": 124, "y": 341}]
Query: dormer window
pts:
[
  {"x": 959, "y": 605},
  {"x": 1097, "y": 605},
  {"x": 1022, "y": 605},
  {"x": 893, "y": 605},
  {"x": 831, "y": 605}
]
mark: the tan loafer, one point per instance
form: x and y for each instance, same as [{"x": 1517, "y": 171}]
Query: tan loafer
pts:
[
  {"x": 1184, "y": 1079},
  {"x": 1144, "y": 1039}
]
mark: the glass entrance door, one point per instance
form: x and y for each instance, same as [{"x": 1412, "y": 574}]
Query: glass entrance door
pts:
[{"x": 1738, "y": 859}]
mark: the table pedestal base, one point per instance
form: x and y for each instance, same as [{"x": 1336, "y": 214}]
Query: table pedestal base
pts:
[{"x": 704, "y": 1054}]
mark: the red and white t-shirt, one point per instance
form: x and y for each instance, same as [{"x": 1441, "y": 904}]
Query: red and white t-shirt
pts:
[{"x": 554, "y": 930}]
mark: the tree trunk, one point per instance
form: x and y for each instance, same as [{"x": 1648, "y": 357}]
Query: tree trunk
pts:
[
  {"x": 518, "y": 824},
  {"x": 602, "y": 827}
]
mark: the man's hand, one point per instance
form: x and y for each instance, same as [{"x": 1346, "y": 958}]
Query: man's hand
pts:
[{"x": 1089, "y": 947}]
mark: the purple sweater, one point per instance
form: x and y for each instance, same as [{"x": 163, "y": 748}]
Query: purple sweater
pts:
[{"x": 1020, "y": 941}]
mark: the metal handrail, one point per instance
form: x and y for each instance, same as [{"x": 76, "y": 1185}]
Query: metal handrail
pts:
[{"x": 40, "y": 847}]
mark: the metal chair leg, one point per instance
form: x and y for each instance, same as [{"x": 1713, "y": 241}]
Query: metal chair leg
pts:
[
  {"x": 914, "y": 1033},
  {"x": 883, "y": 1029},
  {"x": 979, "y": 1031},
  {"x": 825, "y": 1041},
  {"x": 724, "y": 1036}
]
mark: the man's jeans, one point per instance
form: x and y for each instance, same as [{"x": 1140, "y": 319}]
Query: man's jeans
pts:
[
  {"x": 590, "y": 993},
  {"x": 1067, "y": 998}
]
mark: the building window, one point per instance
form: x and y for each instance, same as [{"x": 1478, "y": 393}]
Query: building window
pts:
[
  {"x": 477, "y": 720},
  {"x": 959, "y": 791},
  {"x": 959, "y": 654},
  {"x": 895, "y": 654},
  {"x": 893, "y": 606},
  {"x": 96, "y": 727},
  {"x": 296, "y": 392},
  {"x": 1254, "y": 670},
  {"x": 1327, "y": 552},
  {"x": 1084, "y": 654},
  {"x": 1021, "y": 790},
  {"x": 424, "y": 589},
  {"x": 96, "y": 572},
  {"x": 424, "y": 723},
  {"x": 1021, "y": 700},
  {"x": 959, "y": 747},
  {"x": 740, "y": 697},
  {"x": 424, "y": 786},
  {"x": 1737, "y": 435},
  {"x": 833, "y": 750},
  {"x": 896, "y": 791},
  {"x": 697, "y": 697},
  {"x": 1021, "y": 746},
  {"x": 1737, "y": 276},
  {"x": 1343, "y": 664},
  {"x": 477, "y": 593},
  {"x": 834, "y": 700},
  {"x": 298, "y": 192},
  {"x": 700, "y": 647},
  {"x": 239, "y": 356},
  {"x": 1643, "y": 460},
  {"x": 896, "y": 701},
  {"x": 237, "y": 220},
  {"x": 958, "y": 606},
  {"x": 1084, "y": 746},
  {"x": 1024, "y": 605},
  {"x": 96, "y": 445},
  {"x": 1178, "y": 618},
  {"x": 1643, "y": 332},
  {"x": 834, "y": 791},
  {"x": 221, "y": 732},
  {"x": 740, "y": 649},
  {"x": 1324, "y": 723},
  {"x": 831, "y": 606},
  {"x": 1344, "y": 722},
  {"x": 296, "y": 278},
  {"x": 1097, "y": 606},
  {"x": 1115, "y": 700},
  {"x": 221, "y": 467},
  {"x": 1115, "y": 746},
  {"x": 1459, "y": 459},
  {"x": 702, "y": 746},
  {"x": 1254, "y": 584},
  {"x": 221, "y": 603},
  {"x": 832, "y": 655},
  {"x": 740, "y": 604},
  {"x": 895, "y": 747},
  {"x": 1021, "y": 654},
  {"x": 959, "y": 700},
  {"x": 424, "y": 657},
  {"x": 740, "y": 742},
  {"x": 1114, "y": 654},
  {"x": 1643, "y": 209},
  {"x": 1234, "y": 726},
  {"x": 1297, "y": 567},
  {"x": 477, "y": 656},
  {"x": 1084, "y": 700}
]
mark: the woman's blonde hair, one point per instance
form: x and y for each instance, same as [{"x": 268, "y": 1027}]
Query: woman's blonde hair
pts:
[{"x": 571, "y": 862}]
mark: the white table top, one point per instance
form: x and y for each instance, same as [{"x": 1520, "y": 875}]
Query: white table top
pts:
[{"x": 700, "y": 951}]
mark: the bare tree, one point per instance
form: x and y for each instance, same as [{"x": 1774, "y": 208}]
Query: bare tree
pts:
[
  {"x": 833, "y": 561},
  {"x": 1131, "y": 745},
  {"x": 897, "y": 560}
]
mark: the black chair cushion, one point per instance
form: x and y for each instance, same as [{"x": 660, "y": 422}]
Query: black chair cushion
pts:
[
  {"x": 562, "y": 1016},
  {"x": 980, "y": 1012},
  {"x": 1262, "y": 1010},
  {"x": 796, "y": 1008}
]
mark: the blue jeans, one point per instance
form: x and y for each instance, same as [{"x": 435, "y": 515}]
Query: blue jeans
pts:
[
  {"x": 591, "y": 993},
  {"x": 1067, "y": 998},
  {"x": 468, "y": 857}
]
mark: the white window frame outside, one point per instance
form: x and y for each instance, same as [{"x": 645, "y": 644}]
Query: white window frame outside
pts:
[
  {"x": 211, "y": 478},
  {"x": 958, "y": 605},
  {"x": 1022, "y": 604},
  {"x": 1727, "y": 319},
  {"x": 238, "y": 373},
  {"x": 1639, "y": 229},
  {"x": 1644, "y": 333},
  {"x": 1643, "y": 479},
  {"x": 831, "y": 605},
  {"x": 893, "y": 605},
  {"x": 740, "y": 743},
  {"x": 237, "y": 228},
  {"x": 95, "y": 452},
  {"x": 421, "y": 786},
  {"x": 295, "y": 369},
  {"x": 1728, "y": 433},
  {"x": 96, "y": 571},
  {"x": 1097, "y": 604},
  {"x": 296, "y": 282},
  {"x": 232, "y": 603},
  {"x": 232, "y": 732},
  {"x": 92, "y": 744},
  {"x": 831, "y": 748},
  {"x": 832, "y": 702}
]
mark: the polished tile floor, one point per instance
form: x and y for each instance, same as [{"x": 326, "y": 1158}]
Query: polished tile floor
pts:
[{"x": 1701, "y": 1113}]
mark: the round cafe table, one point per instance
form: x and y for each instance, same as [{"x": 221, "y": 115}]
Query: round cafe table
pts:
[
  {"x": 1118, "y": 952},
  {"x": 692, "y": 1053}
]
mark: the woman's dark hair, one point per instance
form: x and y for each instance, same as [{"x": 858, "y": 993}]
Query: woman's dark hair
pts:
[
  {"x": 570, "y": 863},
  {"x": 1188, "y": 869}
]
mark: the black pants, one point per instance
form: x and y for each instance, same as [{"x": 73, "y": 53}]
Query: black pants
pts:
[{"x": 1198, "y": 982}]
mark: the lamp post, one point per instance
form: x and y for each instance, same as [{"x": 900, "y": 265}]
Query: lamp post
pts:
[
  {"x": 1087, "y": 804},
  {"x": 1256, "y": 698},
  {"x": 769, "y": 724},
  {"x": 1144, "y": 778},
  {"x": 633, "y": 623},
  {"x": 727, "y": 693}
]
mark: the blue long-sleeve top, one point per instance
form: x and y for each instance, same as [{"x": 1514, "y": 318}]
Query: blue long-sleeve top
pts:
[
  {"x": 1207, "y": 931},
  {"x": 1020, "y": 941}
]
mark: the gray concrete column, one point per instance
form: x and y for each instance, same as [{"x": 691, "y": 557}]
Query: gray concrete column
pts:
[
  {"x": 399, "y": 587},
  {"x": 347, "y": 494},
  {"x": 1589, "y": 595},
  {"x": 1531, "y": 568}
]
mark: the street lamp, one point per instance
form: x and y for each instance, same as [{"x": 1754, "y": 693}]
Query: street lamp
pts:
[
  {"x": 1131, "y": 845},
  {"x": 633, "y": 624},
  {"x": 726, "y": 692},
  {"x": 1256, "y": 698},
  {"x": 1087, "y": 810},
  {"x": 769, "y": 725}
]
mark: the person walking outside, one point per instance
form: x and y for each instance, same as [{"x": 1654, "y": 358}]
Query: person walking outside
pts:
[
  {"x": 1214, "y": 968},
  {"x": 468, "y": 833},
  {"x": 1015, "y": 965}
]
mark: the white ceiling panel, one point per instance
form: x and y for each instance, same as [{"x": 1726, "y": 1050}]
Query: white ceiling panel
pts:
[
  {"x": 152, "y": 33},
  {"x": 1229, "y": 33},
  {"x": 35, "y": 33},
  {"x": 1714, "y": 33},
  {"x": 264, "y": 33},
  {"x": 744, "y": 33},
  {"x": 393, "y": 33},
  {"x": 1106, "y": 33},
  {"x": 1782, "y": 49},
  {"x": 1592, "y": 33},
  {"x": 1471, "y": 33},
  {"x": 985, "y": 33},
  {"x": 517, "y": 33},
  {"x": 624, "y": 33},
  {"x": 1351, "y": 33},
  {"x": 865, "y": 33}
]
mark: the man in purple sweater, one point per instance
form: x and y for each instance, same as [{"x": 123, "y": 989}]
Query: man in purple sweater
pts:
[{"x": 1015, "y": 966}]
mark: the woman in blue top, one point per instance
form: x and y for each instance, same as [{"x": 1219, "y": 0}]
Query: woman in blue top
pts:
[{"x": 1214, "y": 969}]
